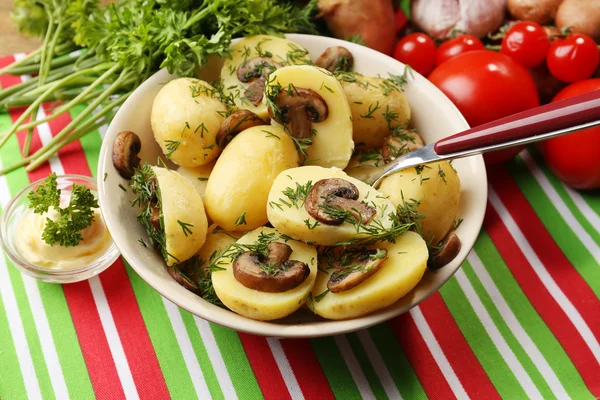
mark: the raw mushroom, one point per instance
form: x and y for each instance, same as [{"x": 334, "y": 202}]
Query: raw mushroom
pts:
[
  {"x": 236, "y": 123},
  {"x": 297, "y": 108},
  {"x": 126, "y": 147},
  {"x": 448, "y": 250},
  {"x": 394, "y": 146},
  {"x": 256, "y": 70},
  {"x": 336, "y": 58},
  {"x": 359, "y": 269},
  {"x": 289, "y": 273},
  {"x": 337, "y": 193}
]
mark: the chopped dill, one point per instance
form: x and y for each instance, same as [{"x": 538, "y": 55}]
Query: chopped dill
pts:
[
  {"x": 185, "y": 227},
  {"x": 241, "y": 219}
]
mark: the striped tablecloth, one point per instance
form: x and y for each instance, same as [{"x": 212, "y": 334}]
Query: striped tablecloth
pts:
[{"x": 521, "y": 319}]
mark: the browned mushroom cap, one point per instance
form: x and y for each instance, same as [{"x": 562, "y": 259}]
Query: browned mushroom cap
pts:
[
  {"x": 126, "y": 148},
  {"x": 297, "y": 108},
  {"x": 183, "y": 279},
  {"x": 283, "y": 274},
  {"x": 358, "y": 270},
  {"x": 448, "y": 250},
  {"x": 255, "y": 91},
  {"x": 256, "y": 67},
  {"x": 336, "y": 58},
  {"x": 396, "y": 145},
  {"x": 335, "y": 193},
  {"x": 235, "y": 123}
]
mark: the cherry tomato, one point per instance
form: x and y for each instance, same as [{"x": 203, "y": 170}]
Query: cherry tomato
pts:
[
  {"x": 456, "y": 46},
  {"x": 527, "y": 43},
  {"x": 575, "y": 158},
  {"x": 486, "y": 86},
  {"x": 418, "y": 51},
  {"x": 574, "y": 58},
  {"x": 401, "y": 20}
]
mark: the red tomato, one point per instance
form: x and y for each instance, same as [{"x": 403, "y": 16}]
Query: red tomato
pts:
[
  {"x": 574, "y": 58},
  {"x": 456, "y": 46},
  {"x": 418, "y": 51},
  {"x": 575, "y": 158},
  {"x": 527, "y": 43},
  {"x": 401, "y": 20},
  {"x": 486, "y": 86}
]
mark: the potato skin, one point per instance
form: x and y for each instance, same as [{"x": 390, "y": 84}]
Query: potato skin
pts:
[
  {"x": 582, "y": 16},
  {"x": 370, "y": 93},
  {"x": 439, "y": 199},
  {"x": 243, "y": 175},
  {"x": 540, "y": 11},
  {"x": 177, "y": 116}
]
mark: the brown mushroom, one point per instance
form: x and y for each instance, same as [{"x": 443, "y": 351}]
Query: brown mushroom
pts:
[
  {"x": 256, "y": 71},
  {"x": 336, "y": 58},
  {"x": 359, "y": 268},
  {"x": 297, "y": 108},
  {"x": 273, "y": 273},
  {"x": 182, "y": 278},
  {"x": 235, "y": 123},
  {"x": 155, "y": 217},
  {"x": 335, "y": 193},
  {"x": 447, "y": 250},
  {"x": 396, "y": 145},
  {"x": 126, "y": 147},
  {"x": 255, "y": 91}
]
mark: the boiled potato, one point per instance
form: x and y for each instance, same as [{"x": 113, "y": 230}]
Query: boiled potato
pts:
[
  {"x": 183, "y": 215},
  {"x": 217, "y": 240},
  {"x": 186, "y": 115},
  {"x": 259, "y": 305},
  {"x": 238, "y": 187},
  {"x": 280, "y": 50},
  {"x": 377, "y": 106},
  {"x": 332, "y": 144},
  {"x": 436, "y": 187},
  {"x": 400, "y": 273},
  {"x": 293, "y": 219},
  {"x": 198, "y": 176}
]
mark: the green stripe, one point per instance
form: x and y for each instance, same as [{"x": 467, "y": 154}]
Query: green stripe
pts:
[
  {"x": 237, "y": 364},
  {"x": 507, "y": 334},
  {"x": 592, "y": 198},
  {"x": 529, "y": 319},
  {"x": 397, "y": 364},
  {"x": 207, "y": 369},
  {"x": 366, "y": 366},
  {"x": 482, "y": 345},
  {"x": 335, "y": 368},
  {"x": 162, "y": 337},
  {"x": 561, "y": 232}
]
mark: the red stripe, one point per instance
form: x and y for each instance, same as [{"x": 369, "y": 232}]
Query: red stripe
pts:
[
  {"x": 265, "y": 368},
  {"x": 306, "y": 367},
  {"x": 469, "y": 371},
  {"x": 418, "y": 354},
  {"x": 548, "y": 309}
]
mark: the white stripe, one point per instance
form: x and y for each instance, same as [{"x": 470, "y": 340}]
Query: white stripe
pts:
[
  {"x": 494, "y": 334},
  {"x": 584, "y": 207},
  {"x": 112, "y": 337},
  {"x": 286, "y": 370},
  {"x": 516, "y": 328},
  {"x": 357, "y": 374},
  {"x": 378, "y": 365},
  {"x": 541, "y": 271},
  {"x": 438, "y": 353},
  {"x": 216, "y": 358},
  {"x": 45, "y": 137},
  {"x": 187, "y": 350},
  {"x": 561, "y": 206}
]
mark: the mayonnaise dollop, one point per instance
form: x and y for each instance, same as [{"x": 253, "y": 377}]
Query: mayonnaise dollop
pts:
[{"x": 96, "y": 241}]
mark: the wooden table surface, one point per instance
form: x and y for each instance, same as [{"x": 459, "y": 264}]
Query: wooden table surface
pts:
[{"x": 10, "y": 40}]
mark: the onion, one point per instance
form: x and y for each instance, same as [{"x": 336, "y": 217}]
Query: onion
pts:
[{"x": 475, "y": 17}]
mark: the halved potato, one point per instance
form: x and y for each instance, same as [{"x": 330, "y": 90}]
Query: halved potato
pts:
[
  {"x": 198, "y": 176},
  {"x": 280, "y": 50},
  {"x": 332, "y": 144},
  {"x": 437, "y": 187},
  {"x": 293, "y": 219},
  {"x": 186, "y": 115},
  {"x": 217, "y": 240},
  {"x": 183, "y": 215},
  {"x": 262, "y": 305},
  {"x": 400, "y": 273}
]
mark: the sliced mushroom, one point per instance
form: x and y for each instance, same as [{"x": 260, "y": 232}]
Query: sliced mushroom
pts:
[
  {"x": 255, "y": 91},
  {"x": 358, "y": 270},
  {"x": 287, "y": 274},
  {"x": 126, "y": 147},
  {"x": 235, "y": 123},
  {"x": 297, "y": 108},
  {"x": 155, "y": 217},
  {"x": 396, "y": 145},
  {"x": 339, "y": 194},
  {"x": 256, "y": 70},
  {"x": 448, "y": 250},
  {"x": 183, "y": 279},
  {"x": 336, "y": 58}
]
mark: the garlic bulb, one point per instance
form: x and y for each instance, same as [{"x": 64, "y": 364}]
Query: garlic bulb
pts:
[{"x": 439, "y": 18}]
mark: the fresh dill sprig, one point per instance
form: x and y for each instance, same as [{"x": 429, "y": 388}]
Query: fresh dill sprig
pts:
[
  {"x": 241, "y": 219},
  {"x": 185, "y": 227}
]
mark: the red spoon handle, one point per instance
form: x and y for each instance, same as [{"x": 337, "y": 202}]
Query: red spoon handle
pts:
[{"x": 563, "y": 114}]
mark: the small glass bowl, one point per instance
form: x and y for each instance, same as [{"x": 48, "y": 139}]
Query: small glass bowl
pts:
[{"x": 8, "y": 225}]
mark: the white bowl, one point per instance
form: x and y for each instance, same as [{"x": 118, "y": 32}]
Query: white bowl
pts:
[{"x": 434, "y": 116}]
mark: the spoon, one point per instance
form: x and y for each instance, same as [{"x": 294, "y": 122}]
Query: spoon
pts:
[{"x": 540, "y": 123}]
